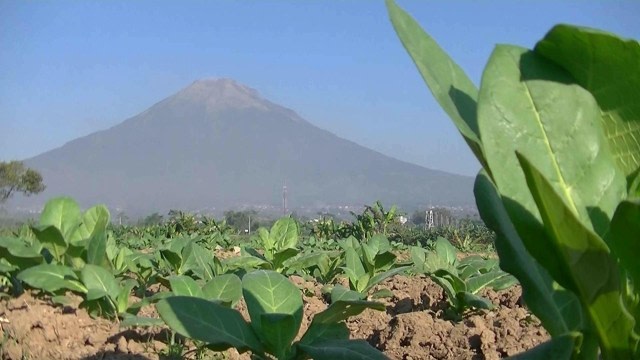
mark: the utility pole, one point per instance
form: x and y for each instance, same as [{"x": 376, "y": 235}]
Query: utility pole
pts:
[
  {"x": 249, "y": 224},
  {"x": 284, "y": 199}
]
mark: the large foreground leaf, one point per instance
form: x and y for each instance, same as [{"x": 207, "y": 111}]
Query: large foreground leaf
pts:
[
  {"x": 529, "y": 104},
  {"x": 587, "y": 261},
  {"x": 558, "y": 309},
  {"x": 206, "y": 321},
  {"x": 448, "y": 83},
  {"x": 607, "y": 66},
  {"x": 624, "y": 237}
]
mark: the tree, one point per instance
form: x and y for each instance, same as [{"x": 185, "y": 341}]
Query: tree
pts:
[
  {"x": 239, "y": 220},
  {"x": 418, "y": 217},
  {"x": 153, "y": 219},
  {"x": 15, "y": 177}
]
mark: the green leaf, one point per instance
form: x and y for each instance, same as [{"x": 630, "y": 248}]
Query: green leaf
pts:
[
  {"x": 51, "y": 278},
  {"x": 559, "y": 347},
  {"x": 378, "y": 278},
  {"x": 344, "y": 309},
  {"x": 341, "y": 350},
  {"x": 19, "y": 248},
  {"x": 382, "y": 293},
  {"x": 446, "y": 252},
  {"x": 448, "y": 83},
  {"x": 62, "y": 213},
  {"x": 354, "y": 265},
  {"x": 76, "y": 255},
  {"x": 203, "y": 320},
  {"x": 606, "y": 65},
  {"x": 474, "y": 265},
  {"x": 51, "y": 239},
  {"x": 558, "y": 309},
  {"x": 325, "y": 331},
  {"x": 284, "y": 233},
  {"x": 341, "y": 293},
  {"x": 267, "y": 241},
  {"x": 6, "y": 267},
  {"x": 123, "y": 295},
  {"x": 384, "y": 261},
  {"x": 172, "y": 258},
  {"x": 278, "y": 331},
  {"x": 362, "y": 283},
  {"x": 97, "y": 249},
  {"x": 95, "y": 294},
  {"x": 94, "y": 222},
  {"x": 305, "y": 261},
  {"x": 199, "y": 260},
  {"x": 586, "y": 259},
  {"x": 474, "y": 301},
  {"x": 99, "y": 278},
  {"x": 226, "y": 288},
  {"x": 428, "y": 261},
  {"x": 504, "y": 282},
  {"x": 379, "y": 243},
  {"x": 418, "y": 257},
  {"x": 623, "y": 237},
  {"x": 268, "y": 292},
  {"x": 323, "y": 327},
  {"x": 112, "y": 248},
  {"x": 530, "y": 105},
  {"x": 19, "y": 253},
  {"x": 61, "y": 300},
  {"x": 129, "y": 320},
  {"x": 185, "y": 286},
  {"x": 283, "y": 255},
  {"x": 243, "y": 262},
  {"x": 456, "y": 283},
  {"x": 479, "y": 282}
]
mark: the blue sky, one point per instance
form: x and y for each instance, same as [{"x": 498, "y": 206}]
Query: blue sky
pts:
[{"x": 69, "y": 68}]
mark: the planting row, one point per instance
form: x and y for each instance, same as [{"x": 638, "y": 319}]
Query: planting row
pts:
[{"x": 194, "y": 288}]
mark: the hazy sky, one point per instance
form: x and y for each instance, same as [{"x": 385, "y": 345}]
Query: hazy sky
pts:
[{"x": 68, "y": 68}]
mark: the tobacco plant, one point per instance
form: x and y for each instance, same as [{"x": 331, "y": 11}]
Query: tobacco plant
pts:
[
  {"x": 461, "y": 280},
  {"x": 275, "y": 308},
  {"x": 279, "y": 244},
  {"x": 65, "y": 241},
  {"x": 555, "y": 129},
  {"x": 366, "y": 265}
]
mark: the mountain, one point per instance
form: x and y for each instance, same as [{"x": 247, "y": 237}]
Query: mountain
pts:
[{"x": 219, "y": 144}]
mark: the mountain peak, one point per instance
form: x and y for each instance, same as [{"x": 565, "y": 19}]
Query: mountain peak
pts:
[{"x": 217, "y": 93}]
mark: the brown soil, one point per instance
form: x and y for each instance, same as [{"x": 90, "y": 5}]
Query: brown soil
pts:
[{"x": 412, "y": 327}]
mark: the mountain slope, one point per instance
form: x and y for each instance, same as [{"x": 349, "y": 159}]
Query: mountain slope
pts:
[{"x": 218, "y": 144}]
